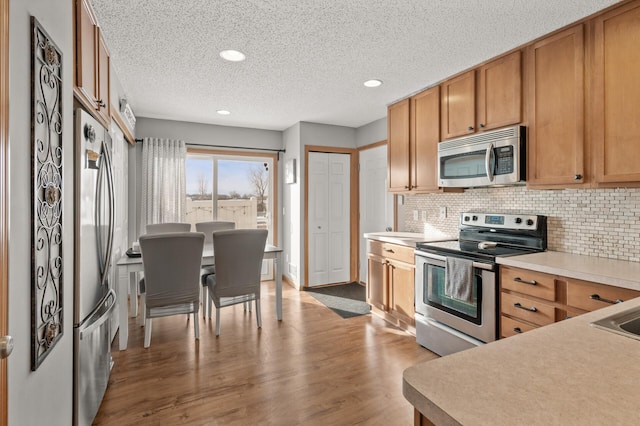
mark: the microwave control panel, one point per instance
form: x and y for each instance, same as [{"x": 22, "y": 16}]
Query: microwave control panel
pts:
[{"x": 504, "y": 160}]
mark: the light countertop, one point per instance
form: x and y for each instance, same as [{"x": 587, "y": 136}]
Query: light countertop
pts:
[
  {"x": 614, "y": 272},
  {"x": 408, "y": 238},
  {"x": 566, "y": 373}
]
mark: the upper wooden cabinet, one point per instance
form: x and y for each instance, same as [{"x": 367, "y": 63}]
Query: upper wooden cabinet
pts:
[
  {"x": 500, "y": 92},
  {"x": 498, "y": 103},
  {"x": 424, "y": 137},
  {"x": 555, "y": 98},
  {"x": 458, "y": 105},
  {"x": 92, "y": 78},
  {"x": 398, "y": 146},
  {"x": 615, "y": 103},
  {"x": 413, "y": 136}
]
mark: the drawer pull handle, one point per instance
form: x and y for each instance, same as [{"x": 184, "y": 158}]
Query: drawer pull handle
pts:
[
  {"x": 531, "y": 309},
  {"x": 389, "y": 250},
  {"x": 517, "y": 329},
  {"x": 520, "y": 280},
  {"x": 597, "y": 297}
]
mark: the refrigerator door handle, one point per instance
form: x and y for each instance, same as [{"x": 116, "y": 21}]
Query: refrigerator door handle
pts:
[
  {"x": 97, "y": 217},
  {"x": 99, "y": 315},
  {"x": 111, "y": 189}
]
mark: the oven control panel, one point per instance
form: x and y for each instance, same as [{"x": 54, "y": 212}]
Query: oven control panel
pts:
[{"x": 500, "y": 221}]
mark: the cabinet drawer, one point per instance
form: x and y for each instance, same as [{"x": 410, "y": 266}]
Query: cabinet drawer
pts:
[
  {"x": 524, "y": 281},
  {"x": 591, "y": 296},
  {"x": 510, "y": 327},
  {"x": 527, "y": 309},
  {"x": 392, "y": 251}
]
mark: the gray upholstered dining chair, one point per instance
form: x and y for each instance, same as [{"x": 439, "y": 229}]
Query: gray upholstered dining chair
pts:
[
  {"x": 159, "y": 228},
  {"x": 238, "y": 258},
  {"x": 171, "y": 283},
  {"x": 208, "y": 228}
]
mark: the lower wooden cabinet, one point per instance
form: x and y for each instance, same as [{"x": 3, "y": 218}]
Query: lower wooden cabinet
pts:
[
  {"x": 377, "y": 282},
  {"x": 401, "y": 290},
  {"x": 531, "y": 299},
  {"x": 390, "y": 282}
]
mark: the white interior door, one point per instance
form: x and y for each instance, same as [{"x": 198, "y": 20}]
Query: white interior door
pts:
[
  {"x": 328, "y": 218},
  {"x": 376, "y": 204}
]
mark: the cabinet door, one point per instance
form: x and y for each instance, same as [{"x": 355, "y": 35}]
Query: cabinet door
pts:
[
  {"x": 103, "y": 96},
  {"x": 500, "y": 92},
  {"x": 616, "y": 109},
  {"x": 425, "y": 135},
  {"x": 86, "y": 33},
  {"x": 377, "y": 282},
  {"x": 556, "y": 109},
  {"x": 398, "y": 146},
  {"x": 458, "y": 106},
  {"x": 401, "y": 289}
]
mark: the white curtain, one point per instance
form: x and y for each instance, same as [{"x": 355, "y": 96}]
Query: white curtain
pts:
[{"x": 163, "y": 181}]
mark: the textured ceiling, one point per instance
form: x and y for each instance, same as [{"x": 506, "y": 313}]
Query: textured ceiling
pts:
[{"x": 307, "y": 59}]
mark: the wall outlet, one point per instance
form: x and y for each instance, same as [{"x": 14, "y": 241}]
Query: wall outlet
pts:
[
  {"x": 415, "y": 215},
  {"x": 424, "y": 215},
  {"x": 443, "y": 212}
]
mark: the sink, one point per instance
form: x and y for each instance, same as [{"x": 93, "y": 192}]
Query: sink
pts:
[{"x": 625, "y": 323}]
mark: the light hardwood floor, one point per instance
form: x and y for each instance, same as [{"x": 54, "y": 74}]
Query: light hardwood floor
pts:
[{"x": 312, "y": 368}]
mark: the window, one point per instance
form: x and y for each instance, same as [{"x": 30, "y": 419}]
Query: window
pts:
[{"x": 232, "y": 187}]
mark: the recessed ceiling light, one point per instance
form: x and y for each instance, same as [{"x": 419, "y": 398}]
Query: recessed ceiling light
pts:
[
  {"x": 232, "y": 55},
  {"x": 223, "y": 112},
  {"x": 372, "y": 83}
]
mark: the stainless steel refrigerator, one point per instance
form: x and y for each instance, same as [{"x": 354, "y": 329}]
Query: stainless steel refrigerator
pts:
[{"x": 94, "y": 296}]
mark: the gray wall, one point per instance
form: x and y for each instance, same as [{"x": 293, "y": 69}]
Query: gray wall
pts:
[
  {"x": 291, "y": 219},
  {"x": 327, "y": 135},
  {"x": 375, "y": 131},
  {"x": 295, "y": 139},
  {"x": 44, "y": 396},
  {"x": 208, "y": 134}
]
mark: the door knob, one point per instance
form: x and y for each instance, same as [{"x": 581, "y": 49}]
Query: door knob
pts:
[{"x": 6, "y": 346}]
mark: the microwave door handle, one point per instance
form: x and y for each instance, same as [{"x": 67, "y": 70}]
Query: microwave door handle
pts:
[{"x": 488, "y": 161}]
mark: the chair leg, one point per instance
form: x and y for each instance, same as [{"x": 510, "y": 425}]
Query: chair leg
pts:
[
  {"x": 196, "y": 324},
  {"x": 203, "y": 299},
  {"x": 217, "y": 321},
  {"x": 258, "y": 318},
  {"x": 143, "y": 310},
  {"x": 209, "y": 308},
  {"x": 147, "y": 333}
]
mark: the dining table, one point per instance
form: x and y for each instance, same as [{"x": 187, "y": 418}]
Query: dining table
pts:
[{"x": 127, "y": 283}]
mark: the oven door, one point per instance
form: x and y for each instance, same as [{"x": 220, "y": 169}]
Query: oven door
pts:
[{"x": 476, "y": 319}]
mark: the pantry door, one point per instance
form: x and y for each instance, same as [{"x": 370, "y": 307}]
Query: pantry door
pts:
[{"x": 328, "y": 218}]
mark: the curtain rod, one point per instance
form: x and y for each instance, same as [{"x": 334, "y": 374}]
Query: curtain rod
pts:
[{"x": 228, "y": 146}]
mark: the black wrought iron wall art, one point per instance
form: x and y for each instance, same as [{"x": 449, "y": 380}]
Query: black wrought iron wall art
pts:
[{"x": 46, "y": 178}]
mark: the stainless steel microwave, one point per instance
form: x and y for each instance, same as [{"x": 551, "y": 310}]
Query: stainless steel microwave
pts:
[{"x": 495, "y": 157}]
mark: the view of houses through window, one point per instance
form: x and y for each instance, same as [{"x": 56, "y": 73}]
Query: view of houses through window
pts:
[{"x": 231, "y": 188}]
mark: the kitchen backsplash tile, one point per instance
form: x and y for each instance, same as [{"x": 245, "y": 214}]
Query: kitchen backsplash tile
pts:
[{"x": 593, "y": 222}]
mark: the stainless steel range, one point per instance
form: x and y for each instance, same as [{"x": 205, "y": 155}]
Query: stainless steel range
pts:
[{"x": 457, "y": 281}]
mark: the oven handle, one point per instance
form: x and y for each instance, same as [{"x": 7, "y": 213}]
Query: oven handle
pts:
[{"x": 479, "y": 265}]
